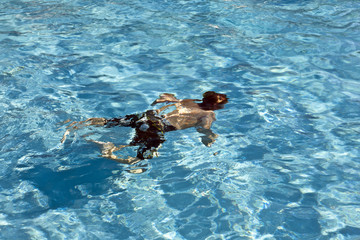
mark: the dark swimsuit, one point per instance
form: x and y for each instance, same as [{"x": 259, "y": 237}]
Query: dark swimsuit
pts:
[{"x": 149, "y": 131}]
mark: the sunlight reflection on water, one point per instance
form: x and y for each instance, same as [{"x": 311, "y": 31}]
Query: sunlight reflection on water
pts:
[{"x": 285, "y": 164}]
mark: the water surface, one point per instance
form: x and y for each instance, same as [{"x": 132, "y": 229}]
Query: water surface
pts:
[{"x": 286, "y": 162}]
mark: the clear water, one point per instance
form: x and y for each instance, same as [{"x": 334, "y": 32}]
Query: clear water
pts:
[{"x": 287, "y": 160}]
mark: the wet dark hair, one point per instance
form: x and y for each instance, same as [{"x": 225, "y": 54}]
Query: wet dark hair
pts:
[{"x": 213, "y": 101}]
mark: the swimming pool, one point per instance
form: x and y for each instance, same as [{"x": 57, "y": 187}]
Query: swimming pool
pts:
[{"x": 286, "y": 162}]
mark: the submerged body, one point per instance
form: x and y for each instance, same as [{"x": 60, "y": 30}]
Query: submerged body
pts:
[{"x": 151, "y": 125}]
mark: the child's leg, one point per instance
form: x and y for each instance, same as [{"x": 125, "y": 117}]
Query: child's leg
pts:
[
  {"x": 98, "y": 122},
  {"x": 108, "y": 149}
]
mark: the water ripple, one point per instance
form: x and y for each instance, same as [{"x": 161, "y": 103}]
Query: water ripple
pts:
[{"x": 285, "y": 164}]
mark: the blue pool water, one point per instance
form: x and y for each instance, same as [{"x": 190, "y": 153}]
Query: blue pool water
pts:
[{"x": 287, "y": 160}]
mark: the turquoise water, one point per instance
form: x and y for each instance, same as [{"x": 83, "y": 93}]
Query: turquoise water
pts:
[{"x": 286, "y": 162}]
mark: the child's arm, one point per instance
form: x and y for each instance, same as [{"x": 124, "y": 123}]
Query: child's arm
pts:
[
  {"x": 165, "y": 97},
  {"x": 204, "y": 128}
]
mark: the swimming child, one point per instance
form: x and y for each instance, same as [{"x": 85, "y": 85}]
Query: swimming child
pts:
[{"x": 151, "y": 125}]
